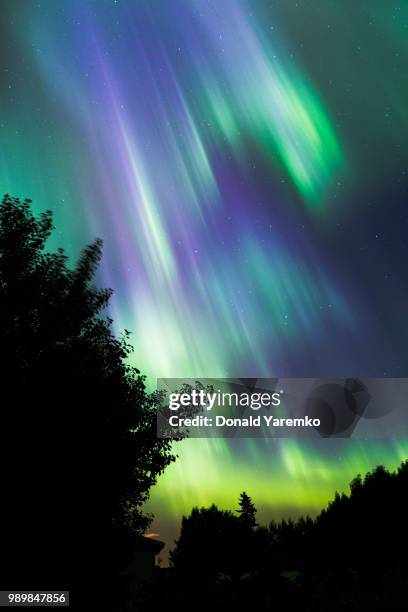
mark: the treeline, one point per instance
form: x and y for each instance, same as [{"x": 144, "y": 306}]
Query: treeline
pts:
[{"x": 352, "y": 556}]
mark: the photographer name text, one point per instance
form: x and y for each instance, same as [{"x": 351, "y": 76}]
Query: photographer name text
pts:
[{"x": 251, "y": 421}]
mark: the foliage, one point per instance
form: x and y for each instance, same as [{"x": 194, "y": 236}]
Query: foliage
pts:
[
  {"x": 247, "y": 510},
  {"x": 78, "y": 431},
  {"x": 350, "y": 557}
]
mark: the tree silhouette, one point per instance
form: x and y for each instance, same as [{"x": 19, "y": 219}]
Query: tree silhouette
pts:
[
  {"x": 209, "y": 536},
  {"x": 247, "y": 510},
  {"x": 78, "y": 446},
  {"x": 350, "y": 557}
]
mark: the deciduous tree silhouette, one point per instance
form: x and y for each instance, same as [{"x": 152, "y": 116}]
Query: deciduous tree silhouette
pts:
[
  {"x": 78, "y": 446},
  {"x": 222, "y": 544},
  {"x": 212, "y": 538}
]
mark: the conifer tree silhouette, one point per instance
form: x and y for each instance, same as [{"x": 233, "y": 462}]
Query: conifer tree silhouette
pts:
[{"x": 247, "y": 510}]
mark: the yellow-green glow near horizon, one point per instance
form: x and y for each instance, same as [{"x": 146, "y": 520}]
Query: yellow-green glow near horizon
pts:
[{"x": 284, "y": 477}]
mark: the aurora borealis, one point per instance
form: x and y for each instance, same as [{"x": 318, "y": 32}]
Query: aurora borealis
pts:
[{"x": 245, "y": 165}]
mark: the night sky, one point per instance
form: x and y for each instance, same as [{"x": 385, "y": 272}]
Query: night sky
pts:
[{"x": 246, "y": 166}]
